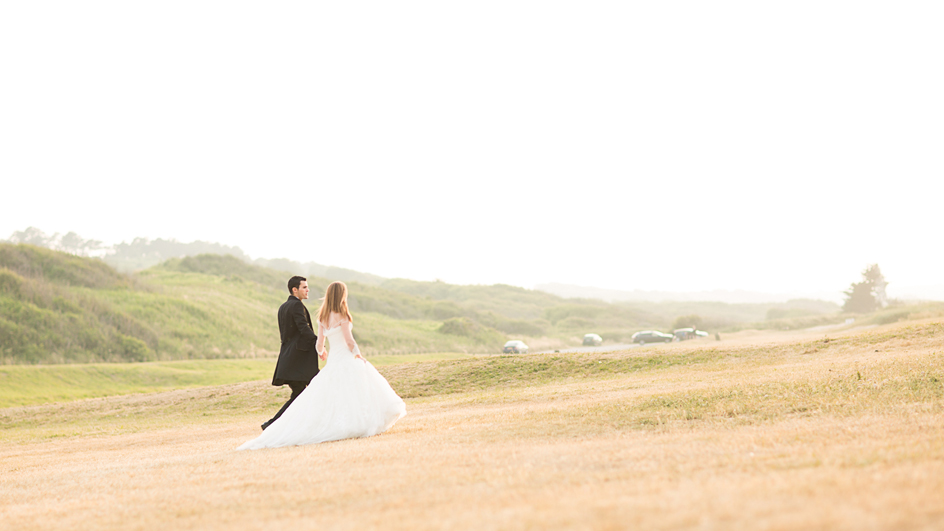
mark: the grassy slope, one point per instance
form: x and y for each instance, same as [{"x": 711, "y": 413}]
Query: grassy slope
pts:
[
  {"x": 870, "y": 372},
  {"x": 24, "y": 385},
  {"x": 874, "y": 385},
  {"x": 57, "y": 308},
  {"x": 27, "y": 385},
  {"x": 50, "y": 313}
]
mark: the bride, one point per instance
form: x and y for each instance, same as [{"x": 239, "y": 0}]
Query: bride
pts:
[{"x": 348, "y": 398}]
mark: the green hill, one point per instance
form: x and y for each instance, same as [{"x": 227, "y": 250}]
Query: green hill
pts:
[
  {"x": 56, "y": 308},
  {"x": 59, "y": 308}
]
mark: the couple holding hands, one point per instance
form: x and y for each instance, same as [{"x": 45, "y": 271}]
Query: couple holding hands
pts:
[{"x": 347, "y": 398}]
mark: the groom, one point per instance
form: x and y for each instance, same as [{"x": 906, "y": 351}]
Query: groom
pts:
[{"x": 298, "y": 360}]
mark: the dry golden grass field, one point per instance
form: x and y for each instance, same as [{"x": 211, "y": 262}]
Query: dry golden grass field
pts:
[{"x": 775, "y": 431}]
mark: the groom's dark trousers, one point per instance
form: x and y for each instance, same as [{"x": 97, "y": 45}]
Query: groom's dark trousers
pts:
[
  {"x": 297, "y": 388},
  {"x": 298, "y": 360}
]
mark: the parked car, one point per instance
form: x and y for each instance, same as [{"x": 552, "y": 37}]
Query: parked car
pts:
[
  {"x": 515, "y": 347},
  {"x": 592, "y": 339},
  {"x": 652, "y": 336},
  {"x": 682, "y": 334}
]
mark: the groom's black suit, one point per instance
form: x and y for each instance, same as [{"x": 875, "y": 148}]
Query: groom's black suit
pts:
[{"x": 298, "y": 360}]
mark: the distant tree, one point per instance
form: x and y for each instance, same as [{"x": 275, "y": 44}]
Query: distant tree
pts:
[
  {"x": 687, "y": 321},
  {"x": 34, "y": 236},
  {"x": 874, "y": 275},
  {"x": 142, "y": 253},
  {"x": 74, "y": 244},
  {"x": 859, "y": 299},
  {"x": 70, "y": 243},
  {"x": 868, "y": 295}
]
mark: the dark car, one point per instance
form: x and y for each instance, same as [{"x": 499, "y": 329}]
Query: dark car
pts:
[
  {"x": 592, "y": 339},
  {"x": 515, "y": 347},
  {"x": 652, "y": 336}
]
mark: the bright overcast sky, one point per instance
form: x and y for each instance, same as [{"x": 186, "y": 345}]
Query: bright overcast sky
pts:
[{"x": 677, "y": 146}]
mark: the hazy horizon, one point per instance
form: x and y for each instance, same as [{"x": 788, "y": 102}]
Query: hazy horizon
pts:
[
  {"x": 679, "y": 147},
  {"x": 735, "y": 296}
]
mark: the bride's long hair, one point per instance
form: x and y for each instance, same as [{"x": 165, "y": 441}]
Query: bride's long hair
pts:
[{"x": 335, "y": 300}]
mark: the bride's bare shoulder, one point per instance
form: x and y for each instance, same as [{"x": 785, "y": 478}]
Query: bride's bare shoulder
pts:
[{"x": 334, "y": 319}]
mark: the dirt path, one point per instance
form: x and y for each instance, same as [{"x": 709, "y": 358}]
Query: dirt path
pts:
[{"x": 450, "y": 465}]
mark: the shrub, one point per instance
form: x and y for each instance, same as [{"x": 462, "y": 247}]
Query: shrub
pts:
[
  {"x": 575, "y": 323},
  {"x": 10, "y": 282},
  {"x": 892, "y": 317},
  {"x": 687, "y": 321},
  {"x": 460, "y": 326},
  {"x": 467, "y": 328},
  {"x": 133, "y": 349}
]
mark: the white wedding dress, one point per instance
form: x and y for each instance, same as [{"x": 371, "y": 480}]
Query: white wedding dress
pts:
[{"x": 348, "y": 398}]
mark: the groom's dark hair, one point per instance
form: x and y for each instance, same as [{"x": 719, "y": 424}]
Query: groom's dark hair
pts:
[{"x": 294, "y": 282}]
